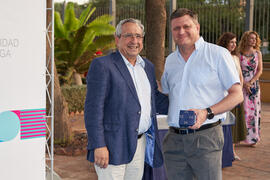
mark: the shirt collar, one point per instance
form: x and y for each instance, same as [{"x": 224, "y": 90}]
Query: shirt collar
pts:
[
  {"x": 139, "y": 61},
  {"x": 198, "y": 44}
]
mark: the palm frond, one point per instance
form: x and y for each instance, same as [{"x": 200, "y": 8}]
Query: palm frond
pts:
[
  {"x": 101, "y": 42},
  {"x": 83, "y": 38},
  {"x": 71, "y": 23},
  {"x": 59, "y": 30},
  {"x": 78, "y": 43},
  {"x": 104, "y": 19},
  {"x": 103, "y": 29},
  {"x": 86, "y": 14}
]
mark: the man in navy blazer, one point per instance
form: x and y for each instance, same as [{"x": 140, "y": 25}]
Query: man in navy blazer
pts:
[{"x": 120, "y": 108}]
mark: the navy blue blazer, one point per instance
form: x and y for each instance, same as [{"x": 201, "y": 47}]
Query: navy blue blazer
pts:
[{"x": 112, "y": 111}]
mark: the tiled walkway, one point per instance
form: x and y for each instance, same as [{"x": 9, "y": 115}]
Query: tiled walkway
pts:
[{"x": 255, "y": 163}]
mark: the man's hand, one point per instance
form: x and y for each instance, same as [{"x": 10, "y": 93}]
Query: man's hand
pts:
[
  {"x": 101, "y": 157},
  {"x": 200, "y": 118},
  {"x": 159, "y": 86}
]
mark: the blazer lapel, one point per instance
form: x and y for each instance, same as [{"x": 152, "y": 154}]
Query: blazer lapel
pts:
[{"x": 121, "y": 66}]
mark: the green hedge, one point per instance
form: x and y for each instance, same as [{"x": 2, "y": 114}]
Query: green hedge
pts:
[{"x": 75, "y": 97}]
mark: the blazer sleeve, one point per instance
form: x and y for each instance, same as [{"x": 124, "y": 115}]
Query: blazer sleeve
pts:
[
  {"x": 162, "y": 103},
  {"x": 162, "y": 100},
  {"x": 97, "y": 89}
]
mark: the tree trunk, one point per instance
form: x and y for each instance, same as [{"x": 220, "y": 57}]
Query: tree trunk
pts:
[
  {"x": 155, "y": 33},
  {"x": 62, "y": 128},
  {"x": 77, "y": 79}
]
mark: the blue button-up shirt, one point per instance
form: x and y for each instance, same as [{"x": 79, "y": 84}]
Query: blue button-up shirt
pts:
[
  {"x": 143, "y": 90},
  {"x": 200, "y": 82}
]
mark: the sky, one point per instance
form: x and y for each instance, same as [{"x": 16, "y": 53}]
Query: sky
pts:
[{"x": 78, "y": 1}]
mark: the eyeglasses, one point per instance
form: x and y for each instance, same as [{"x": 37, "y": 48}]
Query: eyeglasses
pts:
[{"x": 129, "y": 36}]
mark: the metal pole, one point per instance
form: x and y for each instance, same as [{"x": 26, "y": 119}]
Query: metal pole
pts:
[
  {"x": 52, "y": 92},
  {"x": 249, "y": 15},
  {"x": 112, "y": 12},
  {"x": 171, "y": 42}
]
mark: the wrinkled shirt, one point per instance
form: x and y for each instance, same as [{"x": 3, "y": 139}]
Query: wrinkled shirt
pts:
[{"x": 200, "y": 82}]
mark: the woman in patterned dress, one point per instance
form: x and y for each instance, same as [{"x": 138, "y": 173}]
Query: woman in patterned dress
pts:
[{"x": 251, "y": 64}]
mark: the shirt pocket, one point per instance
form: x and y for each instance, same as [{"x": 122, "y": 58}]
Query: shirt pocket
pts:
[{"x": 207, "y": 77}]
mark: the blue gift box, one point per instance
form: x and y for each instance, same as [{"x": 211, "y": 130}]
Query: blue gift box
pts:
[{"x": 187, "y": 118}]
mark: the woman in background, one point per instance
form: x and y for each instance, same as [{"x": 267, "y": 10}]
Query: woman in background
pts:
[
  {"x": 251, "y": 65},
  {"x": 238, "y": 131}
]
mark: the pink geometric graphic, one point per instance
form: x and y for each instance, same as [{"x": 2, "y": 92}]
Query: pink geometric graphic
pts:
[{"x": 32, "y": 123}]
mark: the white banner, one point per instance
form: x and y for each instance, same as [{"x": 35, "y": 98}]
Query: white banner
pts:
[{"x": 22, "y": 89}]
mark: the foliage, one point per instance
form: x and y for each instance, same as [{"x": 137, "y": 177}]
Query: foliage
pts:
[
  {"x": 217, "y": 17},
  {"x": 75, "y": 97},
  {"x": 119, "y": 2},
  {"x": 77, "y": 41}
]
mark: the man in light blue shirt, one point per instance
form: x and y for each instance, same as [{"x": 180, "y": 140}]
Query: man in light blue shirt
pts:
[{"x": 200, "y": 77}]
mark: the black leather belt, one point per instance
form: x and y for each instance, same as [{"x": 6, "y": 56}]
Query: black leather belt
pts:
[
  {"x": 189, "y": 131},
  {"x": 139, "y": 136}
]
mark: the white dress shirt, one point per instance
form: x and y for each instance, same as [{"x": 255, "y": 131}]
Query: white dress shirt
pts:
[{"x": 143, "y": 90}]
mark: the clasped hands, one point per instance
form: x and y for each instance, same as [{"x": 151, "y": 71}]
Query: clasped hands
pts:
[{"x": 247, "y": 86}]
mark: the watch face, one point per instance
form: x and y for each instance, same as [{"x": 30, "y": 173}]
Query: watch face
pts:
[{"x": 210, "y": 116}]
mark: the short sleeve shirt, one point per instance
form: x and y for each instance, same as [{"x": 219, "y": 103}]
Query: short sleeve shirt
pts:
[{"x": 200, "y": 82}]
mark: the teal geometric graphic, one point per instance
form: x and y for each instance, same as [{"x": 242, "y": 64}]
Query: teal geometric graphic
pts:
[{"x": 9, "y": 126}]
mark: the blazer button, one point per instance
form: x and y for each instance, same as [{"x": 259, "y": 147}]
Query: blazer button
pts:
[
  {"x": 137, "y": 130},
  {"x": 139, "y": 112}
]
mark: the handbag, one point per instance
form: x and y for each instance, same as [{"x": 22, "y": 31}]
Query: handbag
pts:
[{"x": 229, "y": 120}]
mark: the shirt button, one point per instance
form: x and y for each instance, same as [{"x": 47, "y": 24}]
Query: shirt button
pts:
[
  {"x": 139, "y": 112},
  {"x": 137, "y": 130}
]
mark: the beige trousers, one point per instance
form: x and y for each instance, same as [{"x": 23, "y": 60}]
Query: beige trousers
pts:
[{"x": 130, "y": 171}]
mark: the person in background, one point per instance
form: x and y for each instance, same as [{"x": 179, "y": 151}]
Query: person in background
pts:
[
  {"x": 238, "y": 130},
  {"x": 120, "y": 108},
  {"x": 196, "y": 77},
  {"x": 251, "y": 64}
]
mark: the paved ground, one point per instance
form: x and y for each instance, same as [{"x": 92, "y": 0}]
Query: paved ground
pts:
[{"x": 255, "y": 163}]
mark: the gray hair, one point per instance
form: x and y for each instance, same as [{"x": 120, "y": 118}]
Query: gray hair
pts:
[{"x": 124, "y": 21}]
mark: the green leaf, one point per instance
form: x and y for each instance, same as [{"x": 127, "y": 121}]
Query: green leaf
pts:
[
  {"x": 101, "y": 25},
  {"x": 83, "y": 39},
  {"x": 59, "y": 30},
  {"x": 86, "y": 14},
  {"x": 75, "y": 50},
  {"x": 71, "y": 23},
  {"x": 103, "y": 29},
  {"x": 104, "y": 19},
  {"x": 101, "y": 42}
]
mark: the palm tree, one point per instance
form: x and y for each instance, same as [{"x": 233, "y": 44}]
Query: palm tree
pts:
[
  {"x": 62, "y": 128},
  {"x": 155, "y": 33},
  {"x": 77, "y": 41}
]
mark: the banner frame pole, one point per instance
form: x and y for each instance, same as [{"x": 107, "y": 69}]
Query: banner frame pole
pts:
[{"x": 50, "y": 89}]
